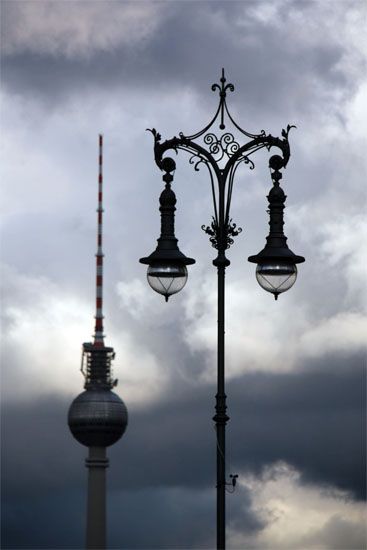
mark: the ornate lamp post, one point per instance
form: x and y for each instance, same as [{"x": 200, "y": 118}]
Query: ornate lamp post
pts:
[{"x": 276, "y": 269}]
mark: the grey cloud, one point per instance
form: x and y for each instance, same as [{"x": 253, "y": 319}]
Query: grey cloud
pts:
[
  {"x": 79, "y": 30},
  {"x": 312, "y": 419},
  {"x": 188, "y": 50},
  {"x": 338, "y": 534}
]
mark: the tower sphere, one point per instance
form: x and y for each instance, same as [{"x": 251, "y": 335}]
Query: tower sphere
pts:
[{"x": 97, "y": 418}]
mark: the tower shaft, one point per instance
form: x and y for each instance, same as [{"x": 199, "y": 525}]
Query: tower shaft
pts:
[{"x": 96, "y": 510}]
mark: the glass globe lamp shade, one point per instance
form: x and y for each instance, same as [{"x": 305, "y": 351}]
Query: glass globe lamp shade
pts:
[
  {"x": 167, "y": 279},
  {"x": 276, "y": 277}
]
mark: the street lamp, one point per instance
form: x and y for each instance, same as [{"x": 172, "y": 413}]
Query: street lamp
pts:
[
  {"x": 167, "y": 272},
  {"x": 276, "y": 269}
]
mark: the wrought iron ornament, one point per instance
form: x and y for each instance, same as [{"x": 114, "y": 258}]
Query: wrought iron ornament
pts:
[
  {"x": 231, "y": 231},
  {"x": 221, "y": 154}
]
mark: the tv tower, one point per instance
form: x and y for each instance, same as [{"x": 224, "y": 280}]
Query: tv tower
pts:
[{"x": 97, "y": 417}]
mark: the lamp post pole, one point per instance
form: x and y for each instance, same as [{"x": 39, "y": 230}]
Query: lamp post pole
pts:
[
  {"x": 276, "y": 268},
  {"x": 221, "y": 417}
]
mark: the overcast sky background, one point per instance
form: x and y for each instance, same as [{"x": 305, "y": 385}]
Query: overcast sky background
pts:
[{"x": 295, "y": 368}]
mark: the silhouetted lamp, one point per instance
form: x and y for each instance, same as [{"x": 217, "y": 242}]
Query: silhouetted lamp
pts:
[
  {"x": 276, "y": 269},
  {"x": 167, "y": 272}
]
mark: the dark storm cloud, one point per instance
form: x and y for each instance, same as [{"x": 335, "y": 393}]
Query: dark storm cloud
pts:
[
  {"x": 188, "y": 49},
  {"x": 313, "y": 420},
  {"x": 300, "y": 418},
  {"x": 187, "y": 518},
  {"x": 51, "y": 520},
  {"x": 44, "y": 484},
  {"x": 143, "y": 518}
]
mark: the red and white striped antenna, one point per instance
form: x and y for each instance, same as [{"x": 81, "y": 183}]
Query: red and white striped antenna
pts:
[{"x": 98, "y": 333}]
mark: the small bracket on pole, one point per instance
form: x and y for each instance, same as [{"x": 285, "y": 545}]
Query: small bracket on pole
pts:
[
  {"x": 233, "y": 479},
  {"x": 232, "y": 483}
]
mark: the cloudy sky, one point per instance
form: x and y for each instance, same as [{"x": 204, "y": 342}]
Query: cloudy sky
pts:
[{"x": 295, "y": 367}]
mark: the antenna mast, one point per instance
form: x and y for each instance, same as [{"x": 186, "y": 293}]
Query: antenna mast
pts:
[
  {"x": 96, "y": 358},
  {"x": 98, "y": 333}
]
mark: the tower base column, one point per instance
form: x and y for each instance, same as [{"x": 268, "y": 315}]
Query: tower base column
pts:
[{"x": 97, "y": 462}]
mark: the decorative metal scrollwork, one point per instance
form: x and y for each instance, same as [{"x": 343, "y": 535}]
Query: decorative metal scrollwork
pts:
[
  {"x": 286, "y": 132},
  {"x": 224, "y": 145},
  {"x": 157, "y": 136},
  {"x": 247, "y": 160},
  {"x": 230, "y": 230},
  {"x": 212, "y": 230},
  {"x": 196, "y": 159}
]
